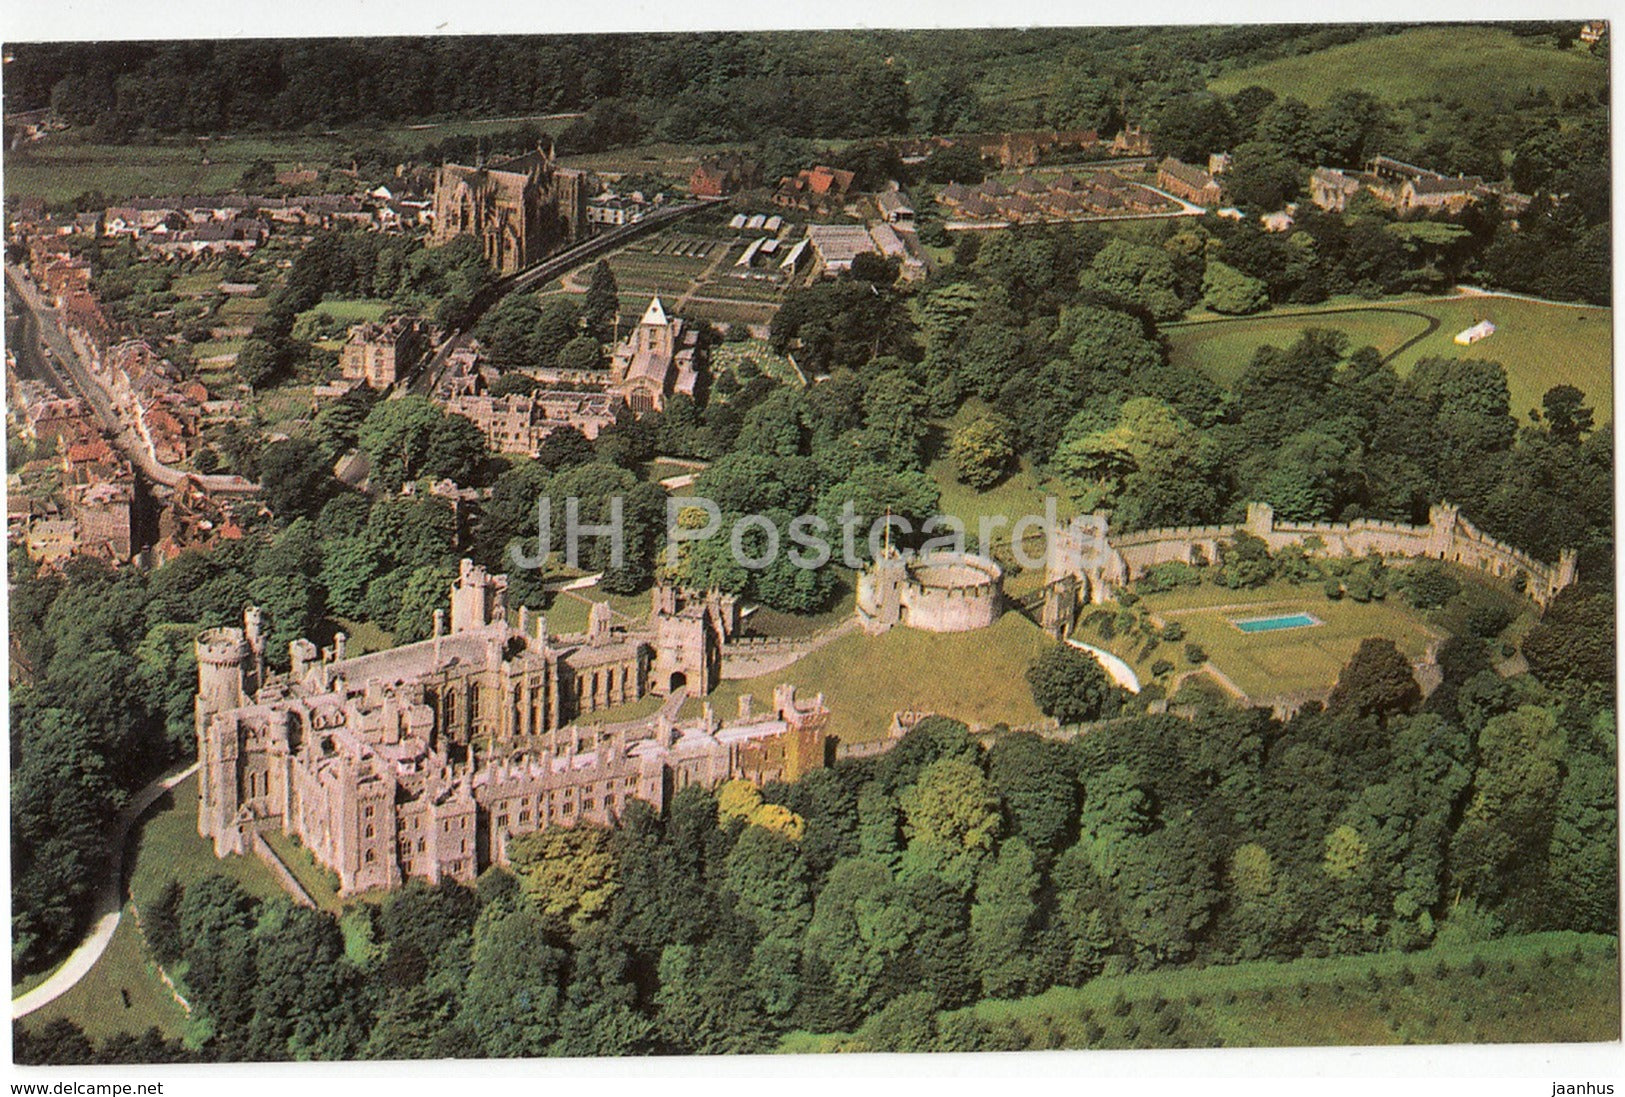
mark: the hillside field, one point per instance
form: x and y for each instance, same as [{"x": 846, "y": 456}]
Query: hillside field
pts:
[
  {"x": 1425, "y": 63},
  {"x": 1539, "y": 988},
  {"x": 1540, "y": 344},
  {"x": 978, "y": 677}
]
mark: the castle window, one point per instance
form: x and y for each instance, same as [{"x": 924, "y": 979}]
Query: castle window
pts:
[
  {"x": 569, "y": 808},
  {"x": 462, "y": 847},
  {"x": 420, "y": 845},
  {"x": 524, "y": 816},
  {"x": 588, "y": 803},
  {"x": 370, "y": 858},
  {"x": 367, "y": 811},
  {"x": 502, "y": 820},
  {"x": 368, "y": 832}
]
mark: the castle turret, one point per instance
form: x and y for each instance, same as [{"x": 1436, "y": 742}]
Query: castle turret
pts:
[
  {"x": 224, "y": 660},
  {"x": 478, "y": 598}
]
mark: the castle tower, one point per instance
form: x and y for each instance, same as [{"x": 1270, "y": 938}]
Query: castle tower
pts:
[
  {"x": 224, "y": 662},
  {"x": 1442, "y": 518},
  {"x": 478, "y": 598}
]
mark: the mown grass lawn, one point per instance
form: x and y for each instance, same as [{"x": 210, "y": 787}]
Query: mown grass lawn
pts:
[
  {"x": 1425, "y": 63},
  {"x": 977, "y": 677},
  {"x": 1540, "y": 345},
  {"x": 320, "y": 882},
  {"x": 1267, "y": 664},
  {"x": 97, "y": 1002},
  {"x": 166, "y": 847},
  {"x": 350, "y": 310},
  {"x": 61, "y": 168},
  {"x": 1019, "y": 494}
]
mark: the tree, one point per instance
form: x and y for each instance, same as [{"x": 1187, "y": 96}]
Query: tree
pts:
[
  {"x": 603, "y": 301},
  {"x": 1377, "y": 681},
  {"x": 513, "y": 996},
  {"x": 1039, "y": 792},
  {"x": 768, "y": 874},
  {"x": 1227, "y": 291},
  {"x": 297, "y": 477},
  {"x": 582, "y": 354},
  {"x": 569, "y": 872},
  {"x": 259, "y": 362},
  {"x": 982, "y": 451},
  {"x": 1263, "y": 177},
  {"x": 951, "y": 820},
  {"x": 1574, "y": 640},
  {"x": 1069, "y": 685},
  {"x": 1003, "y": 921},
  {"x": 1566, "y": 414},
  {"x": 1138, "y": 275}
]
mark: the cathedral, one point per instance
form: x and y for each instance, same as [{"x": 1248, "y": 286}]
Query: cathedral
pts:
[{"x": 522, "y": 210}]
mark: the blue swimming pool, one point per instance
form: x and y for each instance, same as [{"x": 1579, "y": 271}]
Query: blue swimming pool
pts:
[{"x": 1273, "y": 624}]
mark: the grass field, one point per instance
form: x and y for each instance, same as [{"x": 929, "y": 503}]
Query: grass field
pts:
[
  {"x": 1017, "y": 495},
  {"x": 567, "y": 613},
  {"x": 62, "y": 168},
  {"x": 1539, "y": 988},
  {"x": 1269, "y": 664},
  {"x": 1425, "y": 63},
  {"x": 1540, "y": 345},
  {"x": 167, "y": 847},
  {"x": 350, "y": 310},
  {"x": 865, "y": 679}
]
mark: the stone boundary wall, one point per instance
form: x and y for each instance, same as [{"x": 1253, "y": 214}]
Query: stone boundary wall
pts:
[
  {"x": 163, "y": 976},
  {"x": 1447, "y": 536},
  {"x": 296, "y": 890},
  {"x": 754, "y": 656}
]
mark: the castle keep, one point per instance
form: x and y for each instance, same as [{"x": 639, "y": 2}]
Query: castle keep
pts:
[
  {"x": 426, "y": 759},
  {"x": 521, "y": 210}
]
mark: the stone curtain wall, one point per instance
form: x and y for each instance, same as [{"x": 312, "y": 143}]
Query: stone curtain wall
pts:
[{"x": 1448, "y": 537}]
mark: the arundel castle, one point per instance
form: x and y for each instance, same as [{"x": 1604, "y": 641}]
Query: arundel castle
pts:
[{"x": 425, "y": 760}]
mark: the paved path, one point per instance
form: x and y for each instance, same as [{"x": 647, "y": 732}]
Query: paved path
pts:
[{"x": 109, "y": 906}]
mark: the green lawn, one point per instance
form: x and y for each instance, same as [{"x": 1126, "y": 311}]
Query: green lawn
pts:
[
  {"x": 567, "y": 613},
  {"x": 1540, "y": 345},
  {"x": 977, "y": 677},
  {"x": 167, "y": 847},
  {"x": 1268, "y": 664},
  {"x": 97, "y": 1002},
  {"x": 363, "y": 637},
  {"x": 1425, "y": 63},
  {"x": 729, "y": 357},
  {"x": 350, "y": 310},
  {"x": 1019, "y": 494}
]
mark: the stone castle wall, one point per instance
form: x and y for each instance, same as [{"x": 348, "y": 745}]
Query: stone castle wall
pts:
[
  {"x": 949, "y": 592},
  {"x": 1089, "y": 564}
]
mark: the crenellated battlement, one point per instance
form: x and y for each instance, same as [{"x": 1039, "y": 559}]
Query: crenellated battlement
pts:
[{"x": 1092, "y": 567}]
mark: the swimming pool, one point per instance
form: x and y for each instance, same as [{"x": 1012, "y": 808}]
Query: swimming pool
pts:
[{"x": 1274, "y": 624}]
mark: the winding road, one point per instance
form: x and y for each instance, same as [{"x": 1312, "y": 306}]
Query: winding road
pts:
[
  {"x": 68, "y": 368},
  {"x": 109, "y": 906}
]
